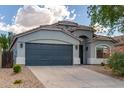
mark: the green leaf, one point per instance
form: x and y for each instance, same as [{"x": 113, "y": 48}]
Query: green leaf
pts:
[{"x": 111, "y": 16}]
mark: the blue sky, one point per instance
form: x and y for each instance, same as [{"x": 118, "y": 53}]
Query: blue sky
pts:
[
  {"x": 21, "y": 14},
  {"x": 11, "y": 10},
  {"x": 8, "y": 11},
  {"x": 82, "y": 16}
]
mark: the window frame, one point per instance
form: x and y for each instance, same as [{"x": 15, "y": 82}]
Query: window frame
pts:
[{"x": 101, "y": 45}]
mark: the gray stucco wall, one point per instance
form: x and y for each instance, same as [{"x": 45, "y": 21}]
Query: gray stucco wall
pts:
[
  {"x": 89, "y": 35},
  {"x": 51, "y": 37}
]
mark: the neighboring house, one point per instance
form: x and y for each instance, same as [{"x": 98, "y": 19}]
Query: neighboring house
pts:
[
  {"x": 119, "y": 46},
  {"x": 62, "y": 43}
]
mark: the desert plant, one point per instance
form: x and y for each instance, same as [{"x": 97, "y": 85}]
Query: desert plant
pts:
[
  {"x": 116, "y": 62},
  {"x": 4, "y": 41},
  {"x": 17, "y": 82},
  {"x": 17, "y": 68},
  {"x": 102, "y": 64}
]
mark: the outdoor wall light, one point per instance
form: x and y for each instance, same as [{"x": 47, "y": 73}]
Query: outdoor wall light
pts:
[
  {"x": 76, "y": 47},
  {"x": 21, "y": 45}
]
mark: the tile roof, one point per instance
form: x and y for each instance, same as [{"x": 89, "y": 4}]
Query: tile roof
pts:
[
  {"x": 119, "y": 39},
  {"x": 103, "y": 38},
  {"x": 46, "y": 27}
]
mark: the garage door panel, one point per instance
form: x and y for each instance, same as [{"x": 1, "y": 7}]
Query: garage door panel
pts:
[
  {"x": 48, "y": 54},
  {"x": 56, "y": 50},
  {"x": 48, "y": 50},
  {"x": 48, "y": 58},
  {"x": 48, "y": 62}
]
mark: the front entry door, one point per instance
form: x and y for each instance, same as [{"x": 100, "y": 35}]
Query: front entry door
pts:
[{"x": 81, "y": 53}]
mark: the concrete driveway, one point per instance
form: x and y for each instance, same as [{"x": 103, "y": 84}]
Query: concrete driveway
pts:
[{"x": 73, "y": 76}]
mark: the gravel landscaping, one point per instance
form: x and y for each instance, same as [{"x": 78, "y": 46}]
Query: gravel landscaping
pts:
[
  {"x": 104, "y": 70},
  {"x": 7, "y": 78}
]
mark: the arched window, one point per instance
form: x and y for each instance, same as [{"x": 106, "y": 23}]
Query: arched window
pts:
[{"x": 102, "y": 51}]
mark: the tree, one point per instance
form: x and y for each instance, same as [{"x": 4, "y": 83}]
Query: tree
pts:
[
  {"x": 10, "y": 36},
  {"x": 4, "y": 42},
  {"x": 109, "y": 16}
]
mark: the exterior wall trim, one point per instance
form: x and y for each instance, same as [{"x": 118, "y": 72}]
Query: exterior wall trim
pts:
[{"x": 51, "y": 39}]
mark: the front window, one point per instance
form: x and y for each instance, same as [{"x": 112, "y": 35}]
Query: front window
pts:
[{"x": 102, "y": 51}]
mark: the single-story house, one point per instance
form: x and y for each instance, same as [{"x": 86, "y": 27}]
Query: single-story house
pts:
[{"x": 62, "y": 43}]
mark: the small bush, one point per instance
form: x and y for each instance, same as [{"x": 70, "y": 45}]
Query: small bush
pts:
[
  {"x": 17, "y": 68},
  {"x": 102, "y": 64},
  {"x": 116, "y": 62},
  {"x": 17, "y": 82}
]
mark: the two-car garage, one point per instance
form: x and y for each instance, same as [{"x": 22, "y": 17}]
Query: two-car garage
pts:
[
  {"x": 46, "y": 47},
  {"x": 48, "y": 54}
]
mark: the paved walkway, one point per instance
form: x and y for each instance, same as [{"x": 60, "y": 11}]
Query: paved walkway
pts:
[{"x": 73, "y": 76}]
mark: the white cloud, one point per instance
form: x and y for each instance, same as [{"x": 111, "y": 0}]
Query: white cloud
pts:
[
  {"x": 2, "y": 17},
  {"x": 17, "y": 28},
  {"x": 32, "y": 16},
  {"x": 73, "y": 11},
  {"x": 100, "y": 29},
  {"x": 72, "y": 18},
  {"x": 4, "y": 27},
  {"x": 29, "y": 17}
]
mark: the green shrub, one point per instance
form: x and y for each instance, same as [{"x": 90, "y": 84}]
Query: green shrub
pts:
[
  {"x": 102, "y": 64},
  {"x": 116, "y": 62},
  {"x": 17, "y": 68},
  {"x": 17, "y": 82}
]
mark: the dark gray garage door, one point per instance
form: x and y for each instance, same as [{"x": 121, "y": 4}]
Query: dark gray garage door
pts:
[{"x": 48, "y": 54}]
